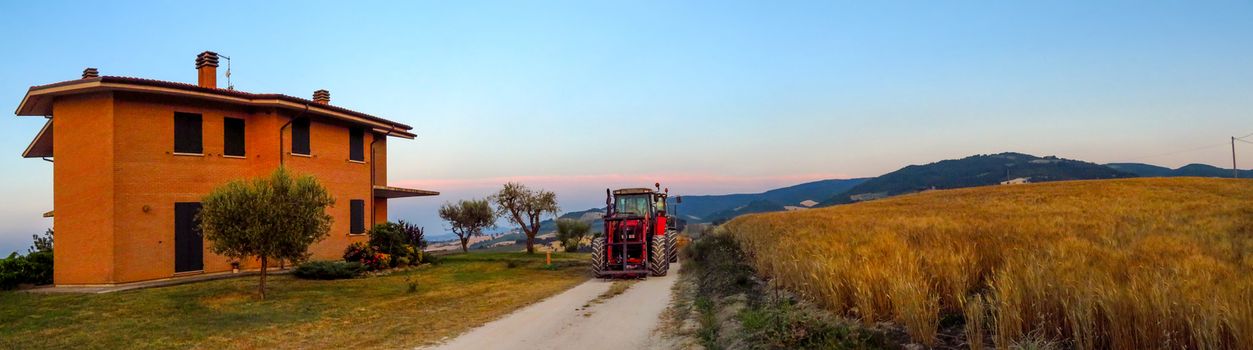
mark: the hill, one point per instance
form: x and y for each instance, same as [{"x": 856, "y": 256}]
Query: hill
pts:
[
  {"x": 1122, "y": 264},
  {"x": 756, "y": 206},
  {"x": 1197, "y": 170},
  {"x": 703, "y": 208},
  {"x": 978, "y": 170}
]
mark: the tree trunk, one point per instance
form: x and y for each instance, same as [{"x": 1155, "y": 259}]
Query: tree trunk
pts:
[
  {"x": 464, "y": 245},
  {"x": 262, "y": 288},
  {"x": 530, "y": 243}
]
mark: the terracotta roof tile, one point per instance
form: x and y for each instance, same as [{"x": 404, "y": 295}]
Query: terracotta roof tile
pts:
[{"x": 219, "y": 91}]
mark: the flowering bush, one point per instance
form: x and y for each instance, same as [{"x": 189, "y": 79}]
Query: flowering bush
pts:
[
  {"x": 377, "y": 261},
  {"x": 374, "y": 258},
  {"x": 357, "y": 251}
]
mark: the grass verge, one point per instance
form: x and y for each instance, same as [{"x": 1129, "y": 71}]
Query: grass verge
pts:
[
  {"x": 464, "y": 291},
  {"x": 721, "y": 304}
]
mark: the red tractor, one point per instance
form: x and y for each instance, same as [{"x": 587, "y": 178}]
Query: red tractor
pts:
[{"x": 639, "y": 236}]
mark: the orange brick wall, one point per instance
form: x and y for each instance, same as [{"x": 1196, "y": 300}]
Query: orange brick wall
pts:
[
  {"x": 83, "y": 193},
  {"x": 140, "y": 171}
]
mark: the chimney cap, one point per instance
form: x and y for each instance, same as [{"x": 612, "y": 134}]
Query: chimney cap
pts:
[
  {"x": 207, "y": 59},
  {"x": 90, "y": 72},
  {"x": 322, "y": 96}
]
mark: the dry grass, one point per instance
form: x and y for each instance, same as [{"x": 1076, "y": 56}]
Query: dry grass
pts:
[
  {"x": 617, "y": 288},
  {"x": 464, "y": 291},
  {"x": 1121, "y": 264}
]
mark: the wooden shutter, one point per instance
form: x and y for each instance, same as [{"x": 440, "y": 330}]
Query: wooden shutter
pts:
[
  {"x": 356, "y": 144},
  {"x": 300, "y": 136},
  {"x": 187, "y": 133},
  {"x": 357, "y": 219},
  {"x": 233, "y": 137}
]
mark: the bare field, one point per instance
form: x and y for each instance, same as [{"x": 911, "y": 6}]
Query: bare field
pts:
[{"x": 1121, "y": 264}]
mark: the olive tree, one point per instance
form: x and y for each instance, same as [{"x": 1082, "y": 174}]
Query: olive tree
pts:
[
  {"x": 571, "y": 232},
  {"x": 468, "y": 218},
  {"x": 524, "y": 207},
  {"x": 274, "y": 218}
]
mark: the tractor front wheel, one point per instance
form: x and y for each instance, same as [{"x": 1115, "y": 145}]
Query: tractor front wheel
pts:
[
  {"x": 658, "y": 259},
  {"x": 598, "y": 257}
]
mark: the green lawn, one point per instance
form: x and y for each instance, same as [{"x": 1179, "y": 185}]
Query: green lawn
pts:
[{"x": 464, "y": 291}]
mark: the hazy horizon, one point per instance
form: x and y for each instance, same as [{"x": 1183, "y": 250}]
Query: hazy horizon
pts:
[{"x": 704, "y": 97}]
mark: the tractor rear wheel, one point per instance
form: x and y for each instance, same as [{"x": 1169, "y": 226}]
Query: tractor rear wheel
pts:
[
  {"x": 598, "y": 257},
  {"x": 672, "y": 245},
  {"x": 658, "y": 261}
]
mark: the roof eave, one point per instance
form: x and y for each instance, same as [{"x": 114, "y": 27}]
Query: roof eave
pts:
[
  {"x": 33, "y": 105},
  {"x": 40, "y": 147}
]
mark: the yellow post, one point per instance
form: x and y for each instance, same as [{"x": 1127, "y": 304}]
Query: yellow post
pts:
[{"x": 548, "y": 257}]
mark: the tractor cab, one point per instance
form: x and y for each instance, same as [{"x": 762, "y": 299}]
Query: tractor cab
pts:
[{"x": 637, "y": 237}]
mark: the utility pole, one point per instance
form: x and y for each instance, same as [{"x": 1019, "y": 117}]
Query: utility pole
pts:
[{"x": 1235, "y": 172}]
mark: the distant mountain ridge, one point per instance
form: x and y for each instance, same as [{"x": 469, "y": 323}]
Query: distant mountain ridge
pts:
[
  {"x": 756, "y": 206},
  {"x": 1194, "y": 169},
  {"x": 977, "y": 170},
  {"x": 706, "y": 208}
]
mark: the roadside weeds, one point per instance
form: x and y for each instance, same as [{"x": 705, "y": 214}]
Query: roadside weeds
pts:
[{"x": 720, "y": 304}]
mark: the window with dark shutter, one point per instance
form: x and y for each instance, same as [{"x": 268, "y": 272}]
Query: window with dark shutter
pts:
[
  {"x": 356, "y": 144},
  {"x": 187, "y": 134},
  {"x": 233, "y": 137},
  {"x": 357, "y": 219},
  {"x": 300, "y": 136}
]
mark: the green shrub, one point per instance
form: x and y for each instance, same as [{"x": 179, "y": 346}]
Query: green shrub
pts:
[
  {"x": 33, "y": 268},
  {"x": 39, "y": 267},
  {"x": 11, "y": 271},
  {"x": 389, "y": 238},
  {"x": 328, "y": 270}
]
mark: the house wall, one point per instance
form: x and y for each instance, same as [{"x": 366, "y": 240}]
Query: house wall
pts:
[
  {"x": 345, "y": 179},
  {"x": 83, "y": 193},
  {"x": 137, "y": 181}
]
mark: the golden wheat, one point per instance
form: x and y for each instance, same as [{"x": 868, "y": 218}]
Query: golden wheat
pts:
[{"x": 1122, "y": 264}]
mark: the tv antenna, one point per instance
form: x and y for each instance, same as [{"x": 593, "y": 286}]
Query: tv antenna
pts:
[{"x": 229, "y": 86}]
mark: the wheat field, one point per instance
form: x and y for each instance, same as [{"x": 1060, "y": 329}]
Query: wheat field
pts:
[{"x": 1111, "y": 264}]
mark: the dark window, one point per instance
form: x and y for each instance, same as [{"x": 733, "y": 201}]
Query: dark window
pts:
[
  {"x": 356, "y": 144},
  {"x": 300, "y": 136},
  {"x": 357, "y": 221},
  {"x": 233, "y": 137},
  {"x": 187, "y": 133}
]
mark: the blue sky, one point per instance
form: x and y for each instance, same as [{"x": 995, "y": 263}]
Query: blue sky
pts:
[{"x": 707, "y": 97}]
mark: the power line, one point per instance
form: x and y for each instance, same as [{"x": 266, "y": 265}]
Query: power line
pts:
[
  {"x": 1235, "y": 170},
  {"x": 1201, "y": 148}
]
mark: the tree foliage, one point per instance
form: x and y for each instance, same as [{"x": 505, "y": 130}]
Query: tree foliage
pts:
[
  {"x": 524, "y": 207},
  {"x": 414, "y": 235},
  {"x": 468, "y": 218},
  {"x": 277, "y": 217},
  {"x": 571, "y": 232},
  {"x": 42, "y": 243}
]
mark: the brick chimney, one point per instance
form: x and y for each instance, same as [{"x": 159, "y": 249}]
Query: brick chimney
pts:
[
  {"x": 322, "y": 96},
  {"x": 207, "y": 67},
  {"x": 90, "y": 73}
]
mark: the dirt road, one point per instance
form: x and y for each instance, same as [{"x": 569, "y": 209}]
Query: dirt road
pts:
[{"x": 571, "y": 320}]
